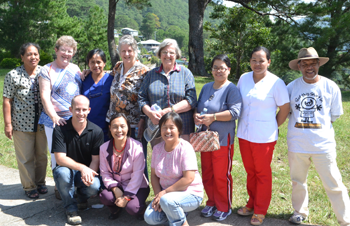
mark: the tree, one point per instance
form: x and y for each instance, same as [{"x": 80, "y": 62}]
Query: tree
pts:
[
  {"x": 239, "y": 32},
  {"x": 20, "y": 22},
  {"x": 110, "y": 27},
  {"x": 195, "y": 44},
  {"x": 123, "y": 21},
  {"x": 79, "y": 8},
  {"x": 150, "y": 24}
]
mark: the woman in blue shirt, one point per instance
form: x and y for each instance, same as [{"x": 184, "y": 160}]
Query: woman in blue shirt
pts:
[{"x": 96, "y": 87}]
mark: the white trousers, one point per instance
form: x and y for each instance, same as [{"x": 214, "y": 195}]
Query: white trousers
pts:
[
  {"x": 326, "y": 167},
  {"x": 49, "y": 132}
]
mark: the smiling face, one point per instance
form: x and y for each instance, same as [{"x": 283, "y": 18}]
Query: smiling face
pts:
[
  {"x": 220, "y": 71},
  {"x": 168, "y": 56},
  {"x": 119, "y": 129},
  {"x": 64, "y": 55},
  {"x": 96, "y": 64},
  {"x": 309, "y": 69},
  {"x": 259, "y": 63},
  {"x": 31, "y": 57},
  {"x": 127, "y": 54},
  {"x": 80, "y": 109},
  {"x": 169, "y": 131}
]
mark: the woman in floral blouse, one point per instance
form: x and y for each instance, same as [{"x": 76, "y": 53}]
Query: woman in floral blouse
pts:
[
  {"x": 128, "y": 77},
  {"x": 22, "y": 108}
]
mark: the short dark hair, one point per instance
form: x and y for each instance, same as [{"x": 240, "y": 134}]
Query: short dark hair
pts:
[
  {"x": 256, "y": 49},
  {"x": 98, "y": 52},
  {"x": 118, "y": 115},
  {"x": 25, "y": 46},
  {"x": 175, "y": 117},
  {"x": 222, "y": 57}
]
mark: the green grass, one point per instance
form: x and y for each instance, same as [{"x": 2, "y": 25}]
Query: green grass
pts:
[{"x": 320, "y": 208}]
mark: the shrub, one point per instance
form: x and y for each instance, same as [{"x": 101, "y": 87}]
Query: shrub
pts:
[
  {"x": 4, "y": 55},
  {"x": 154, "y": 60},
  {"x": 10, "y": 63},
  {"x": 45, "y": 58}
]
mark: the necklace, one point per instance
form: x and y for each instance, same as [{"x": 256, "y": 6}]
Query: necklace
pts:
[{"x": 117, "y": 149}]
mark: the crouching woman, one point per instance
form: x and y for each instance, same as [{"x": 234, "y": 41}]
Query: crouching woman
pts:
[
  {"x": 122, "y": 165},
  {"x": 177, "y": 185}
]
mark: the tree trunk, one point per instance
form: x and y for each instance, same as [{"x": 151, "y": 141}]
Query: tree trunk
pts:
[
  {"x": 195, "y": 44},
  {"x": 110, "y": 32}
]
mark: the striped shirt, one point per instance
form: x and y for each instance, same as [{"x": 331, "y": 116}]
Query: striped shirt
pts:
[{"x": 165, "y": 91}]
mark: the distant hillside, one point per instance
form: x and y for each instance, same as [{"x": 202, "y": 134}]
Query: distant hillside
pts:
[{"x": 170, "y": 12}]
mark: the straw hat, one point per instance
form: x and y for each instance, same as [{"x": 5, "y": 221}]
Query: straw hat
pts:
[{"x": 305, "y": 54}]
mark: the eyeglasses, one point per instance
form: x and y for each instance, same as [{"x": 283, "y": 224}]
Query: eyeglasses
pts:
[
  {"x": 69, "y": 52},
  {"x": 166, "y": 53},
  {"x": 309, "y": 65},
  {"x": 219, "y": 69}
]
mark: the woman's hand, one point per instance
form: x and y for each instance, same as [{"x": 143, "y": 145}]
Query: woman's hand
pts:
[
  {"x": 164, "y": 111},
  {"x": 197, "y": 118},
  {"x": 156, "y": 200},
  {"x": 155, "y": 117},
  {"x": 207, "y": 119},
  {"x": 57, "y": 120},
  {"x": 121, "y": 202},
  {"x": 8, "y": 131},
  {"x": 84, "y": 74}
]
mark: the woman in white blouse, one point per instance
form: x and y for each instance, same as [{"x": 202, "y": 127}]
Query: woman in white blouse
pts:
[{"x": 262, "y": 93}]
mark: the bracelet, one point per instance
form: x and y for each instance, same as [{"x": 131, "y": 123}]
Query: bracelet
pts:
[
  {"x": 214, "y": 117},
  {"x": 127, "y": 199}
]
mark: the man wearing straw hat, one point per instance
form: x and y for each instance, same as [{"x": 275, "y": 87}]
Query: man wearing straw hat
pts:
[{"x": 315, "y": 104}]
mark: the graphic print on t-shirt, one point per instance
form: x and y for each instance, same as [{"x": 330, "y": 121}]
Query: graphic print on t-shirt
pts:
[{"x": 307, "y": 104}]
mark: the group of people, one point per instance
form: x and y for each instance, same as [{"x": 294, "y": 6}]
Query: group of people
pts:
[{"x": 97, "y": 125}]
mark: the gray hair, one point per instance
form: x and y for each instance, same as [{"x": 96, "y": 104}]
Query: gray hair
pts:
[
  {"x": 128, "y": 40},
  {"x": 168, "y": 42},
  {"x": 68, "y": 41}
]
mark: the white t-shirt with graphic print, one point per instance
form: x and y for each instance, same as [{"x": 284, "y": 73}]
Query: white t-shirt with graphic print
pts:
[{"x": 313, "y": 108}]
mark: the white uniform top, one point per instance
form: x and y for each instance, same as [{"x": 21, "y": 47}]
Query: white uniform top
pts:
[
  {"x": 313, "y": 107},
  {"x": 257, "y": 122}
]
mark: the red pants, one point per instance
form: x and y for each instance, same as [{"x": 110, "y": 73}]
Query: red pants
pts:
[
  {"x": 257, "y": 159},
  {"x": 217, "y": 179}
]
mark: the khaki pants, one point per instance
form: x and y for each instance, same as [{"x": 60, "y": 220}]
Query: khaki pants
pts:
[
  {"x": 326, "y": 167},
  {"x": 31, "y": 148}
]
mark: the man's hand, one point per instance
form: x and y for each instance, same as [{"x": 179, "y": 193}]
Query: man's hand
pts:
[
  {"x": 121, "y": 202},
  {"x": 88, "y": 175}
]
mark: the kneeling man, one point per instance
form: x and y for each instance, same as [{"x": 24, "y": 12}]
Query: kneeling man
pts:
[
  {"x": 315, "y": 104},
  {"x": 76, "y": 148}
]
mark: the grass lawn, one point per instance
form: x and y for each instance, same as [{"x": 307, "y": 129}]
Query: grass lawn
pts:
[{"x": 280, "y": 207}]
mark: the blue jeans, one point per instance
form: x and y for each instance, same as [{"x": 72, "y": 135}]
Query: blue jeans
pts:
[
  {"x": 66, "y": 180},
  {"x": 174, "y": 206}
]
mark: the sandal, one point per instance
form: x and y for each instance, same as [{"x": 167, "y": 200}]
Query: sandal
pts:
[
  {"x": 245, "y": 211},
  {"x": 33, "y": 194},
  {"x": 257, "y": 219},
  {"x": 42, "y": 189}
]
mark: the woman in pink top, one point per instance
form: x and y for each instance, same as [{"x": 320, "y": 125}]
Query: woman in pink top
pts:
[
  {"x": 122, "y": 164},
  {"x": 177, "y": 185}
]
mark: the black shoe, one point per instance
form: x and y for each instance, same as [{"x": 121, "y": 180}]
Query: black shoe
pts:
[{"x": 114, "y": 215}]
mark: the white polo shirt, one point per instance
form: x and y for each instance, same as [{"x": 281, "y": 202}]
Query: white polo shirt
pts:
[{"x": 257, "y": 122}]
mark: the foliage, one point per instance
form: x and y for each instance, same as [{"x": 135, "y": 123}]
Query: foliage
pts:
[
  {"x": 20, "y": 22},
  {"x": 4, "y": 55},
  {"x": 95, "y": 27},
  {"x": 10, "y": 63},
  {"x": 239, "y": 32},
  {"x": 45, "y": 58},
  {"x": 122, "y": 21},
  {"x": 150, "y": 24},
  {"x": 79, "y": 8},
  {"x": 154, "y": 60}
]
